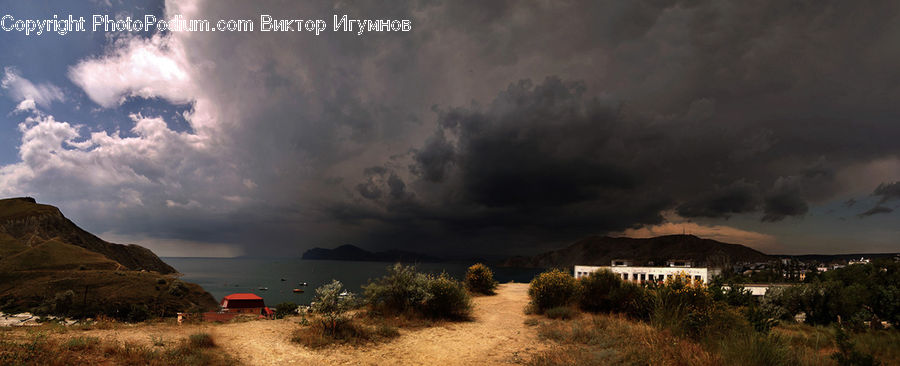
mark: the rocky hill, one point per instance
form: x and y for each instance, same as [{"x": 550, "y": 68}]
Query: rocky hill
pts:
[
  {"x": 600, "y": 250},
  {"x": 50, "y": 265},
  {"x": 31, "y": 223}
]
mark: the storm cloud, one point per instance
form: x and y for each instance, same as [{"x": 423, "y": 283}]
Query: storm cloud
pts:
[{"x": 491, "y": 128}]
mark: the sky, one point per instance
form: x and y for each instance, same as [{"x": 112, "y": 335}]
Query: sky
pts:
[{"x": 488, "y": 129}]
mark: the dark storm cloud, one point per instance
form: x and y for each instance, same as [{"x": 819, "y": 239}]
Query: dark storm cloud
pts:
[
  {"x": 693, "y": 106},
  {"x": 876, "y": 210},
  {"x": 506, "y": 126},
  {"x": 780, "y": 205},
  {"x": 887, "y": 191},
  {"x": 740, "y": 197}
]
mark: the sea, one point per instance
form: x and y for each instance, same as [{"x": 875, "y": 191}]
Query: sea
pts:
[{"x": 274, "y": 279}]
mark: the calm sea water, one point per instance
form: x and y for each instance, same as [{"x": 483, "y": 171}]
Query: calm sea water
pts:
[{"x": 223, "y": 276}]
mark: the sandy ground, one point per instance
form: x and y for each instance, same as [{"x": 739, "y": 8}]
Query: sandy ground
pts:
[{"x": 497, "y": 335}]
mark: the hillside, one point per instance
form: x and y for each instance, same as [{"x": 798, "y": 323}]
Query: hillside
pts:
[
  {"x": 600, "y": 250},
  {"x": 55, "y": 255},
  {"x": 31, "y": 223},
  {"x": 354, "y": 253},
  {"x": 46, "y": 261}
]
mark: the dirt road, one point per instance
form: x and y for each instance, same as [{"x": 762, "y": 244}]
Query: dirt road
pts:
[{"x": 496, "y": 336}]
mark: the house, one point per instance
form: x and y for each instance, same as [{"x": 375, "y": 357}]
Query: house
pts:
[
  {"x": 651, "y": 274},
  {"x": 245, "y": 303}
]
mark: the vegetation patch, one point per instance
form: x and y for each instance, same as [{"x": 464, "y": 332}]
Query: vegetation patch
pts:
[
  {"x": 405, "y": 291},
  {"x": 38, "y": 349},
  {"x": 611, "y": 340},
  {"x": 480, "y": 279},
  {"x": 552, "y": 289}
]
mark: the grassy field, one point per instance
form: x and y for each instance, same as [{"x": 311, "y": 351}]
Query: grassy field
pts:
[
  {"x": 602, "y": 339},
  {"x": 55, "y": 255},
  {"x": 38, "y": 349},
  {"x": 91, "y": 292},
  {"x": 16, "y": 208}
]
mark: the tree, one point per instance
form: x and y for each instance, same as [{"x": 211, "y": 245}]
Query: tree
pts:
[{"x": 331, "y": 305}]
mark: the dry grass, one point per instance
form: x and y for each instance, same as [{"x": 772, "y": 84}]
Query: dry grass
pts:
[
  {"x": 38, "y": 349},
  {"x": 614, "y": 339},
  {"x": 610, "y": 339},
  {"x": 348, "y": 332}
]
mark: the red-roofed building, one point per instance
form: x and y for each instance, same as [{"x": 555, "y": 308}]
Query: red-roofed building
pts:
[{"x": 244, "y": 304}]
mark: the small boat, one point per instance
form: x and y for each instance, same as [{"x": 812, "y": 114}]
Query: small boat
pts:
[
  {"x": 298, "y": 290},
  {"x": 302, "y": 284},
  {"x": 263, "y": 289},
  {"x": 344, "y": 293},
  {"x": 282, "y": 280}
]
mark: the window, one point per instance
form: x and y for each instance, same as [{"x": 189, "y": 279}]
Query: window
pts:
[
  {"x": 650, "y": 277},
  {"x": 698, "y": 279},
  {"x": 625, "y": 276},
  {"x": 642, "y": 276}
]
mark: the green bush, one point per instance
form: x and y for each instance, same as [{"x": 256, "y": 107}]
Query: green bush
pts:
[
  {"x": 62, "y": 304},
  {"x": 404, "y": 290},
  {"x": 847, "y": 354},
  {"x": 331, "y": 306},
  {"x": 284, "y": 309},
  {"x": 682, "y": 306},
  {"x": 552, "y": 289},
  {"x": 633, "y": 300},
  {"x": 480, "y": 279},
  {"x": 400, "y": 290},
  {"x": 138, "y": 313},
  {"x": 446, "y": 299},
  {"x": 598, "y": 289}
]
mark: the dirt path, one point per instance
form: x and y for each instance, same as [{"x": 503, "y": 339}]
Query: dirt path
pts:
[{"x": 497, "y": 335}]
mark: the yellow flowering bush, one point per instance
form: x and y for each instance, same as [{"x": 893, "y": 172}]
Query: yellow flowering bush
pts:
[
  {"x": 553, "y": 288},
  {"x": 480, "y": 279}
]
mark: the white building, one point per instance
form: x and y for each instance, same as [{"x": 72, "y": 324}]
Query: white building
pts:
[{"x": 648, "y": 274}]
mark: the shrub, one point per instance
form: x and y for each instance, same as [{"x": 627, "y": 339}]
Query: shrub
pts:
[
  {"x": 560, "y": 312},
  {"x": 682, "y": 306},
  {"x": 480, "y": 279},
  {"x": 201, "y": 340},
  {"x": 331, "y": 306},
  {"x": 847, "y": 355},
  {"x": 138, "y": 313},
  {"x": 756, "y": 349},
  {"x": 62, "y": 304},
  {"x": 552, "y": 289},
  {"x": 597, "y": 291},
  {"x": 633, "y": 300},
  {"x": 284, "y": 309},
  {"x": 177, "y": 289},
  {"x": 762, "y": 319},
  {"x": 400, "y": 290},
  {"x": 446, "y": 298},
  {"x": 81, "y": 343}
]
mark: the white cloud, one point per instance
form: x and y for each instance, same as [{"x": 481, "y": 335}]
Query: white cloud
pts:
[
  {"x": 154, "y": 67},
  {"x": 26, "y": 105},
  {"x": 28, "y": 93},
  {"x": 157, "y": 165}
]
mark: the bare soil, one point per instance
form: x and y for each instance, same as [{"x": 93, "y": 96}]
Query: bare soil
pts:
[{"x": 497, "y": 335}]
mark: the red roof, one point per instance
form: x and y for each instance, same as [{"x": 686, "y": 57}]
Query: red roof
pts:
[{"x": 242, "y": 297}]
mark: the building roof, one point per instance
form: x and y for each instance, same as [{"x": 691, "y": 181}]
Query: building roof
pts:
[{"x": 242, "y": 297}]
